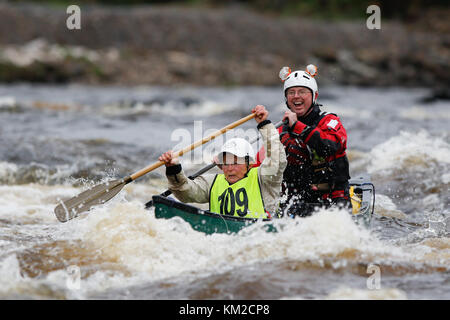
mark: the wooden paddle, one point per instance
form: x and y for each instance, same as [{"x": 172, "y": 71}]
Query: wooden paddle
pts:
[
  {"x": 101, "y": 193},
  {"x": 167, "y": 193}
]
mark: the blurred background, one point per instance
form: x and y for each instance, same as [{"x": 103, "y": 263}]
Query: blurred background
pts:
[{"x": 231, "y": 43}]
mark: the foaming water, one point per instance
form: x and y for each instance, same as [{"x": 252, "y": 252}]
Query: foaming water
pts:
[
  {"x": 421, "y": 113},
  {"x": 167, "y": 248},
  {"x": 416, "y": 151},
  {"x": 57, "y": 142},
  {"x": 125, "y": 242}
]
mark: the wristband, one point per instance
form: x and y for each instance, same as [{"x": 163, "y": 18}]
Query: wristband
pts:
[
  {"x": 173, "y": 170},
  {"x": 263, "y": 123}
]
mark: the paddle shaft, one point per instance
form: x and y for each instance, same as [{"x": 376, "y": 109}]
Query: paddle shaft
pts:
[
  {"x": 179, "y": 153},
  {"x": 204, "y": 169},
  {"x": 99, "y": 194}
]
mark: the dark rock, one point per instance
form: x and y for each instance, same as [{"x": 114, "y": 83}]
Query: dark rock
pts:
[{"x": 437, "y": 94}]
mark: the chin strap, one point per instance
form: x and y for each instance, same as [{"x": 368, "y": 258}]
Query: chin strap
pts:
[
  {"x": 247, "y": 162},
  {"x": 310, "y": 108}
]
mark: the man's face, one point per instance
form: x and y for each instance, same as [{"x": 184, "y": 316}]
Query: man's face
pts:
[
  {"x": 233, "y": 169},
  {"x": 299, "y": 99}
]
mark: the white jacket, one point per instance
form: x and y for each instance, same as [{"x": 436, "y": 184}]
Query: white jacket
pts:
[{"x": 270, "y": 175}]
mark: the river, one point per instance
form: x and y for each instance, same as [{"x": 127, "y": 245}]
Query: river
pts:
[{"x": 56, "y": 141}]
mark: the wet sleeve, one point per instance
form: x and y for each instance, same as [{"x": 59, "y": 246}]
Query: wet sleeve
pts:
[
  {"x": 187, "y": 190},
  {"x": 272, "y": 166}
]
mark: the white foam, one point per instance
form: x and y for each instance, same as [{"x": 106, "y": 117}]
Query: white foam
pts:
[
  {"x": 144, "y": 248},
  {"x": 31, "y": 201},
  {"x": 384, "y": 206},
  {"x": 7, "y": 171},
  {"x": 205, "y": 108},
  {"x": 7, "y": 102},
  {"x": 9, "y": 273},
  {"x": 421, "y": 113},
  {"x": 446, "y": 178},
  {"x": 409, "y": 151},
  {"x": 130, "y": 235},
  {"x": 11, "y": 173}
]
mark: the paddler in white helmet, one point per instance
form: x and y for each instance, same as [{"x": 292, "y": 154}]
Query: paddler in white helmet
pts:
[
  {"x": 315, "y": 142},
  {"x": 240, "y": 190}
]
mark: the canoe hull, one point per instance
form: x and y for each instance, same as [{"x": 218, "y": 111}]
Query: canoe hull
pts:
[
  {"x": 201, "y": 220},
  {"x": 362, "y": 194}
]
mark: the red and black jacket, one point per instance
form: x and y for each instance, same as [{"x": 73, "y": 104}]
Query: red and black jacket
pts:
[{"x": 316, "y": 153}]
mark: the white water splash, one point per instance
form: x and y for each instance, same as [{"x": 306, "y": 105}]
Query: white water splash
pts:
[
  {"x": 130, "y": 235},
  {"x": 409, "y": 150}
]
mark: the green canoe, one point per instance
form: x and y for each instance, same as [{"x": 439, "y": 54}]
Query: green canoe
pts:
[
  {"x": 201, "y": 220},
  {"x": 362, "y": 193}
]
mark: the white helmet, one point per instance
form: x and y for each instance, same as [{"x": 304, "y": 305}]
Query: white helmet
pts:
[
  {"x": 239, "y": 147},
  {"x": 300, "y": 79}
]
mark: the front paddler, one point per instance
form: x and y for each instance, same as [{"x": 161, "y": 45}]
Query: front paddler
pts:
[{"x": 241, "y": 190}]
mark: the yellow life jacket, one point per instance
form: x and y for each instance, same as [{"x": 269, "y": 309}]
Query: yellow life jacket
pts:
[{"x": 241, "y": 199}]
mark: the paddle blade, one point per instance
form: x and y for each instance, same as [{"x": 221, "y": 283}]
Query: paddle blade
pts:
[{"x": 69, "y": 209}]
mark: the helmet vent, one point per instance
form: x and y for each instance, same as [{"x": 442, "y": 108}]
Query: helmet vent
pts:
[
  {"x": 295, "y": 75},
  {"x": 306, "y": 77}
]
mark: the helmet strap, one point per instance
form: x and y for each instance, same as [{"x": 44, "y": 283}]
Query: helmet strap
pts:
[
  {"x": 247, "y": 162},
  {"x": 309, "y": 109}
]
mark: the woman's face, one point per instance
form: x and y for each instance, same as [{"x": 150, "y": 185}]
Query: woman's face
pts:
[{"x": 233, "y": 169}]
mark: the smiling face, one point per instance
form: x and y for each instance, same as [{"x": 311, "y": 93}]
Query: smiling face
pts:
[
  {"x": 299, "y": 100},
  {"x": 233, "y": 168}
]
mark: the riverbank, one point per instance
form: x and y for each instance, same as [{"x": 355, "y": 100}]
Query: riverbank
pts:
[{"x": 159, "y": 45}]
